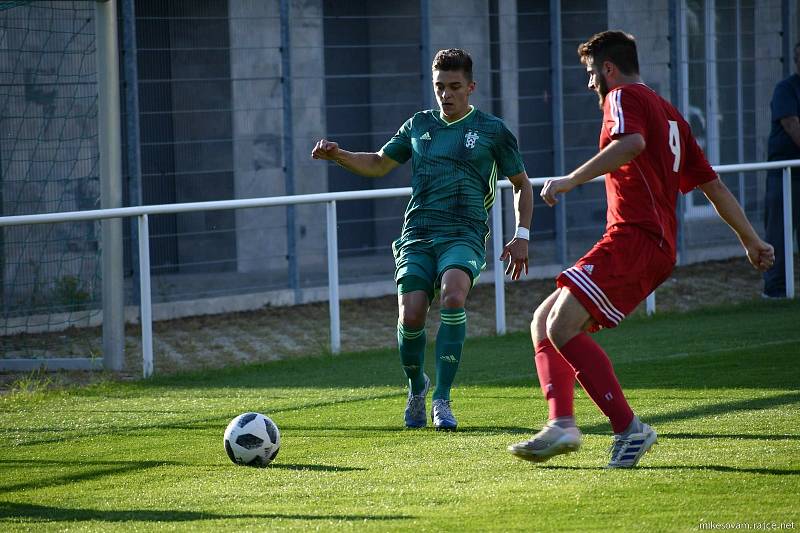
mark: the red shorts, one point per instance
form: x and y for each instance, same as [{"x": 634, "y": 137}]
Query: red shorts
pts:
[{"x": 618, "y": 273}]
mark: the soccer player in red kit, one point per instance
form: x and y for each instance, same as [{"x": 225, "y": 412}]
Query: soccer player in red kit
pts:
[{"x": 647, "y": 153}]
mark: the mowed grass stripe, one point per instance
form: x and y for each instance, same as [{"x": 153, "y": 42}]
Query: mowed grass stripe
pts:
[{"x": 148, "y": 455}]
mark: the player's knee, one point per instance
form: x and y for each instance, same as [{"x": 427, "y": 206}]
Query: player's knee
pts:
[
  {"x": 453, "y": 299},
  {"x": 539, "y": 324},
  {"x": 540, "y": 316},
  {"x": 412, "y": 317},
  {"x": 559, "y": 328}
]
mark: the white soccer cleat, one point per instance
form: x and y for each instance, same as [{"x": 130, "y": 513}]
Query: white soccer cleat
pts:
[
  {"x": 550, "y": 441},
  {"x": 442, "y": 416},
  {"x": 626, "y": 451}
]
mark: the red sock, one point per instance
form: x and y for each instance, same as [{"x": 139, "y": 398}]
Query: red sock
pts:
[
  {"x": 557, "y": 379},
  {"x": 596, "y": 376}
]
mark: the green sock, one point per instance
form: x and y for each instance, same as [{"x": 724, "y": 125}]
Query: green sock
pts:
[
  {"x": 412, "y": 355},
  {"x": 449, "y": 342}
]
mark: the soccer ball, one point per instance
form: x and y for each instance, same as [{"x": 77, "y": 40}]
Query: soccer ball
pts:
[{"x": 252, "y": 439}]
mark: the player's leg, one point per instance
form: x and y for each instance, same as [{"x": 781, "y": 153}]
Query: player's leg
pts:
[
  {"x": 566, "y": 327},
  {"x": 458, "y": 265},
  {"x": 455, "y": 286},
  {"x": 557, "y": 381},
  {"x": 411, "y": 339},
  {"x": 556, "y": 376},
  {"x": 602, "y": 288},
  {"x": 415, "y": 274}
]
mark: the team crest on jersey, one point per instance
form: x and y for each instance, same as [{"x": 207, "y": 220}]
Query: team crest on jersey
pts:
[
  {"x": 588, "y": 269},
  {"x": 469, "y": 139}
]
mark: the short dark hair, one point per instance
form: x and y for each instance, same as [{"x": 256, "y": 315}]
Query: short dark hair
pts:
[
  {"x": 615, "y": 46},
  {"x": 453, "y": 59}
]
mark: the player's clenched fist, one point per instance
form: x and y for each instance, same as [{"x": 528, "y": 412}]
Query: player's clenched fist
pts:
[
  {"x": 552, "y": 188},
  {"x": 761, "y": 255},
  {"x": 325, "y": 149}
]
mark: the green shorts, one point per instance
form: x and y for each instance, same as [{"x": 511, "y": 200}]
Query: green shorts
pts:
[{"x": 428, "y": 262}]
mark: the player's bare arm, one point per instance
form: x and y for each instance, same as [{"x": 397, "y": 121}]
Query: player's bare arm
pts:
[
  {"x": 617, "y": 153},
  {"x": 791, "y": 126},
  {"x": 368, "y": 164},
  {"x": 760, "y": 254},
  {"x": 516, "y": 250}
]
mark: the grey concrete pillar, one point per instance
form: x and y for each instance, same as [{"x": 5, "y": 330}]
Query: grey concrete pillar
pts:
[
  {"x": 308, "y": 104},
  {"x": 470, "y": 31},
  {"x": 258, "y": 116},
  {"x": 256, "y": 103},
  {"x": 509, "y": 86},
  {"x": 650, "y": 26}
]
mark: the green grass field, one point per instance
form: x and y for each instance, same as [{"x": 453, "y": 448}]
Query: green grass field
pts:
[{"x": 721, "y": 386}]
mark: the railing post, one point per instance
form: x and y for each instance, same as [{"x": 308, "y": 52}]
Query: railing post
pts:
[
  {"x": 557, "y": 106},
  {"x": 146, "y": 304},
  {"x": 333, "y": 277},
  {"x": 788, "y": 243},
  {"x": 499, "y": 279}
]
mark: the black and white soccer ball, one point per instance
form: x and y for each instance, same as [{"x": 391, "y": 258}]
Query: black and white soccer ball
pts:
[{"x": 252, "y": 439}]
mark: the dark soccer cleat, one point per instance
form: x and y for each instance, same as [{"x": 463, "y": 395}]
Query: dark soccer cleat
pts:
[
  {"x": 415, "y": 415},
  {"x": 626, "y": 451}
]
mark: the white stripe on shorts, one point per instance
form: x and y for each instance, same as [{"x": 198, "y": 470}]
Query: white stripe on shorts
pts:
[{"x": 595, "y": 294}]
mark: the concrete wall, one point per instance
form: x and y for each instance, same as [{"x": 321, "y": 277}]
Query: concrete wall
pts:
[
  {"x": 650, "y": 26},
  {"x": 257, "y": 100},
  {"x": 308, "y": 100},
  {"x": 468, "y": 28}
]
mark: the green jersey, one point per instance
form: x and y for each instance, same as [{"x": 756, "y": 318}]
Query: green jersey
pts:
[{"x": 454, "y": 174}]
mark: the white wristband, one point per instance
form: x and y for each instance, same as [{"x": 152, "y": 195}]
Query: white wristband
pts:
[{"x": 523, "y": 233}]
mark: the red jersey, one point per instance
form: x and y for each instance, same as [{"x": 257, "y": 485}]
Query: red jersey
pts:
[{"x": 644, "y": 191}]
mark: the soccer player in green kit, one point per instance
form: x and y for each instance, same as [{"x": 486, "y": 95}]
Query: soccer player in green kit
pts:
[{"x": 457, "y": 153}]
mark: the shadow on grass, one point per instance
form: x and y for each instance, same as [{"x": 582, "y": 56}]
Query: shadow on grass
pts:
[
  {"x": 121, "y": 467},
  {"x": 352, "y": 431},
  {"x": 27, "y": 511},
  {"x": 96, "y": 473},
  {"x": 708, "y": 410},
  {"x": 733, "y": 436},
  {"x": 314, "y": 468},
  {"x": 732, "y": 469},
  {"x": 700, "y": 468}
]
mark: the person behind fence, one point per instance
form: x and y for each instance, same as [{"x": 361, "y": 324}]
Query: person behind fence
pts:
[
  {"x": 457, "y": 153},
  {"x": 784, "y": 143},
  {"x": 647, "y": 153}
]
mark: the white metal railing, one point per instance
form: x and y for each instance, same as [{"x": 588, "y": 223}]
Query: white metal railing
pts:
[{"x": 143, "y": 212}]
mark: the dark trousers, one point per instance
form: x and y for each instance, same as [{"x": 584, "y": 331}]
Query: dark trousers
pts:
[{"x": 775, "y": 277}]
